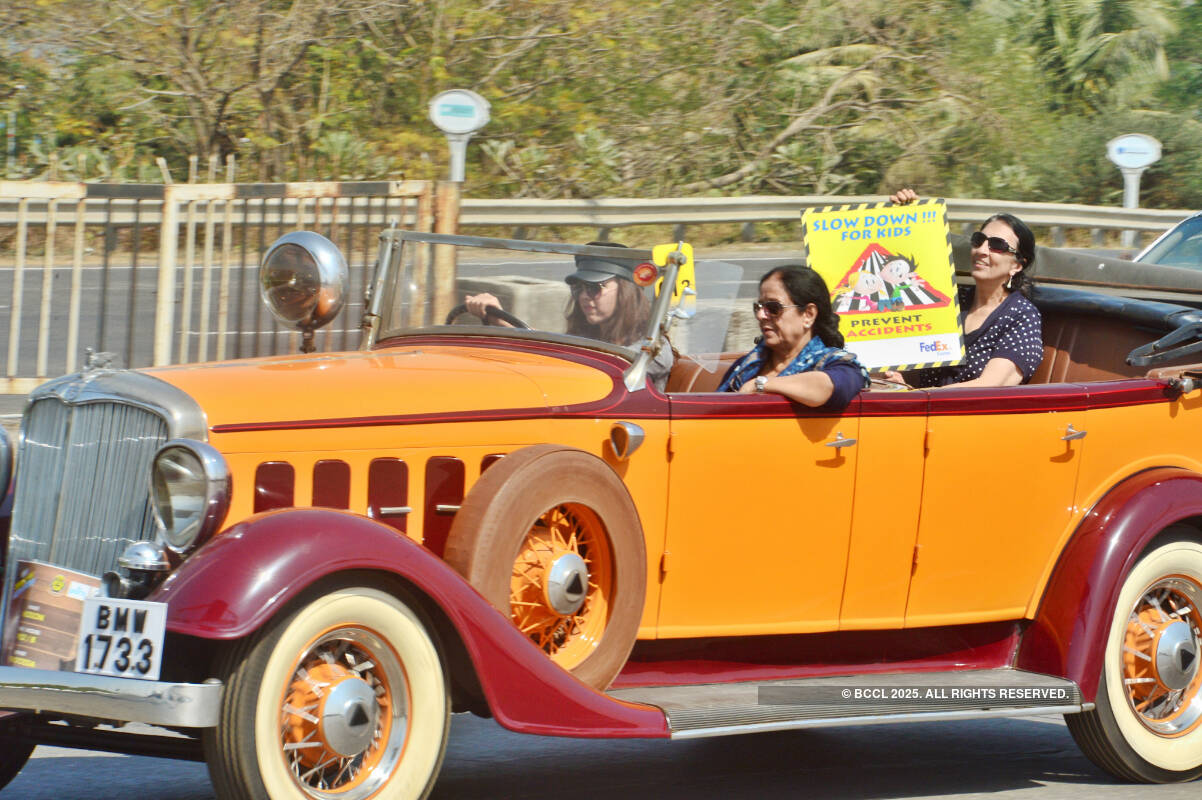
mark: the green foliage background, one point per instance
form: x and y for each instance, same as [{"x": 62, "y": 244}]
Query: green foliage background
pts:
[{"x": 1009, "y": 99}]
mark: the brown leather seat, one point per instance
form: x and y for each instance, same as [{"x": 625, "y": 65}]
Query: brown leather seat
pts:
[
  {"x": 1079, "y": 347},
  {"x": 701, "y": 373}
]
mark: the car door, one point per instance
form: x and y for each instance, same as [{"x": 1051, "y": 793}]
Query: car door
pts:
[
  {"x": 884, "y": 522},
  {"x": 998, "y": 490},
  {"x": 759, "y": 511}
]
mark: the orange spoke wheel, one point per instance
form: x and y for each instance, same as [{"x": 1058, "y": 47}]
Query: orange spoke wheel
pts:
[
  {"x": 339, "y": 710},
  {"x": 550, "y": 536},
  {"x": 344, "y": 697},
  {"x": 562, "y": 583},
  {"x": 1146, "y": 724},
  {"x": 1160, "y": 656}
]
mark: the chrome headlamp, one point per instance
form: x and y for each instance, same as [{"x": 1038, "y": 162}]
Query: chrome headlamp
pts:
[
  {"x": 303, "y": 280},
  {"x": 189, "y": 491}
]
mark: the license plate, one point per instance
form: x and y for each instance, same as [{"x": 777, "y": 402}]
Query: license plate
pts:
[{"x": 123, "y": 638}]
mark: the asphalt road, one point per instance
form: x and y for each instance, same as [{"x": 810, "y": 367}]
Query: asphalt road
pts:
[{"x": 1033, "y": 758}]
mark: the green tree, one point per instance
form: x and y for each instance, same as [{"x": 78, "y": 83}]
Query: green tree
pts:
[{"x": 1087, "y": 49}]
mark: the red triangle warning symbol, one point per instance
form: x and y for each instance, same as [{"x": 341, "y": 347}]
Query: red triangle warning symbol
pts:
[{"x": 882, "y": 281}]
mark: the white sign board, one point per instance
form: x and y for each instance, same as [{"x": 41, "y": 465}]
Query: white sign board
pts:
[
  {"x": 459, "y": 111},
  {"x": 1133, "y": 151}
]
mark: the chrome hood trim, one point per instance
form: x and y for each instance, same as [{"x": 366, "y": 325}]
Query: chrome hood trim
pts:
[{"x": 184, "y": 416}]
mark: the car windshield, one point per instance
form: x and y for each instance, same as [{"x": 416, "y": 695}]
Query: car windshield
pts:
[
  {"x": 545, "y": 292},
  {"x": 1181, "y": 247}
]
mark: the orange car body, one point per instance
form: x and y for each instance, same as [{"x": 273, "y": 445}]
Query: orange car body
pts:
[{"x": 928, "y": 520}]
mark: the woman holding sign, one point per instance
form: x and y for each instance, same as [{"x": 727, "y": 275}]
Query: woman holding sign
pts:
[
  {"x": 1003, "y": 342},
  {"x": 799, "y": 353}
]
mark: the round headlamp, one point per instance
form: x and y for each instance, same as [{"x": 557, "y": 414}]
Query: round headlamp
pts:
[
  {"x": 189, "y": 492},
  {"x": 303, "y": 280}
]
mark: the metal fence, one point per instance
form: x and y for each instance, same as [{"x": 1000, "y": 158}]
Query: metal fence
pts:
[
  {"x": 85, "y": 259},
  {"x": 609, "y": 213},
  {"x": 86, "y": 262}
]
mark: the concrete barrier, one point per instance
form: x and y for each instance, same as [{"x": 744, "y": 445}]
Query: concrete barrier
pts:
[{"x": 538, "y": 302}]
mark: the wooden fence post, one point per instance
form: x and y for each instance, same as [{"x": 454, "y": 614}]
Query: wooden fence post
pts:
[
  {"x": 446, "y": 220},
  {"x": 164, "y": 320}
]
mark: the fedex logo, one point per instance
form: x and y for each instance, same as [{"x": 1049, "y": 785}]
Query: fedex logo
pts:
[{"x": 933, "y": 347}]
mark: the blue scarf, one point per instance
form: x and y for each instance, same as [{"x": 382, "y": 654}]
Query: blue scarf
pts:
[{"x": 815, "y": 355}]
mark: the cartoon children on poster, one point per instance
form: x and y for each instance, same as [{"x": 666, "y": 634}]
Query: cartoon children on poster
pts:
[{"x": 892, "y": 281}]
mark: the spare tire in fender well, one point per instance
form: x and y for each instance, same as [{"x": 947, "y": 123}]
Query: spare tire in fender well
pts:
[{"x": 550, "y": 536}]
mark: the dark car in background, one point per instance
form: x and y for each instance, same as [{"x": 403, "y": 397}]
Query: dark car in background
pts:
[{"x": 1179, "y": 246}]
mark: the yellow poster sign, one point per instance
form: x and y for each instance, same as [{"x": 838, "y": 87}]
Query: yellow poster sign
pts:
[{"x": 892, "y": 281}]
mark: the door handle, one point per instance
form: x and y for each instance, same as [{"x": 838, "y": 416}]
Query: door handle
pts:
[
  {"x": 1073, "y": 434},
  {"x": 840, "y": 442}
]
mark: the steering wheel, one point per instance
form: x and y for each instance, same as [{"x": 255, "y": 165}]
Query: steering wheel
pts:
[{"x": 491, "y": 311}]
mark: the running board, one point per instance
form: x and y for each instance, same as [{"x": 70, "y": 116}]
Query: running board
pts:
[{"x": 720, "y": 709}]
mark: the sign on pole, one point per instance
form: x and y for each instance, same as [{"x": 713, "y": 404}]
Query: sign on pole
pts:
[
  {"x": 1132, "y": 153},
  {"x": 459, "y": 113}
]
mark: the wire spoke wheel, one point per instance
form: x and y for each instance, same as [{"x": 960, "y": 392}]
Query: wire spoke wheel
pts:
[
  {"x": 1146, "y": 724},
  {"x": 563, "y": 582},
  {"x": 1160, "y": 656},
  {"x": 347, "y": 696}
]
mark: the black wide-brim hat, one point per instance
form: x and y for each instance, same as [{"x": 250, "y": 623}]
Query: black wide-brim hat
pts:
[{"x": 597, "y": 269}]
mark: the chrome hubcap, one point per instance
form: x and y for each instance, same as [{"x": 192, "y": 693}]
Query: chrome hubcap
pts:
[
  {"x": 1176, "y": 655},
  {"x": 348, "y": 717},
  {"x": 567, "y": 584}
]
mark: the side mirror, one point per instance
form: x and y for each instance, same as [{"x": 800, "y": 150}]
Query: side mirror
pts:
[{"x": 303, "y": 282}]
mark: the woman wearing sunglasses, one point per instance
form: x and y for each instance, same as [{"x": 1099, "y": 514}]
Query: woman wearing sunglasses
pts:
[
  {"x": 799, "y": 353},
  {"x": 606, "y": 305},
  {"x": 1002, "y": 337}
]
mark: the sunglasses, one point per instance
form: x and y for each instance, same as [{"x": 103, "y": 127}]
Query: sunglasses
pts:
[
  {"x": 996, "y": 243},
  {"x": 772, "y": 308},
  {"x": 593, "y": 290}
]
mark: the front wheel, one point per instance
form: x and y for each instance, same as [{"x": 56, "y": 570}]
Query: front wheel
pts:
[
  {"x": 1147, "y": 723},
  {"x": 344, "y": 697}
]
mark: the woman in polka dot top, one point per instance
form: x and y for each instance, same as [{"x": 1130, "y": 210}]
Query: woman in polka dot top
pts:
[{"x": 1002, "y": 333}]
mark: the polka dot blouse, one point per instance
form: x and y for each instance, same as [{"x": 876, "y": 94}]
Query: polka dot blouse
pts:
[{"x": 1012, "y": 331}]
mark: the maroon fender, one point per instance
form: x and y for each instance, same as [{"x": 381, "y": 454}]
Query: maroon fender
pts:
[
  {"x": 1068, "y": 635},
  {"x": 240, "y": 579}
]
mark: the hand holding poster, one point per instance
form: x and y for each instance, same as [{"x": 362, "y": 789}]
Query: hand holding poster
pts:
[{"x": 892, "y": 281}]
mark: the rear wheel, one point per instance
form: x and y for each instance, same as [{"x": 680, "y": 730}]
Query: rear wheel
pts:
[
  {"x": 1147, "y": 723},
  {"x": 344, "y": 697}
]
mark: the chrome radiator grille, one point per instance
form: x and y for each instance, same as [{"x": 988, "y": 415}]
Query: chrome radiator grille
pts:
[{"x": 82, "y": 486}]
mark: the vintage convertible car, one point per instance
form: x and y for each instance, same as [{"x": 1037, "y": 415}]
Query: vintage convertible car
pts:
[{"x": 306, "y": 563}]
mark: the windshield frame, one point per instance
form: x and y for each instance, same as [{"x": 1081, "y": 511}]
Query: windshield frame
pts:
[{"x": 391, "y": 268}]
